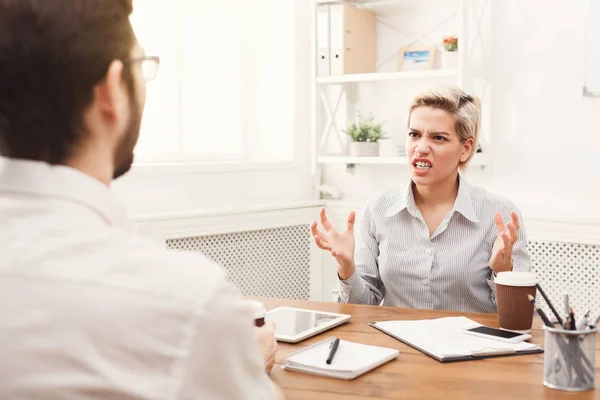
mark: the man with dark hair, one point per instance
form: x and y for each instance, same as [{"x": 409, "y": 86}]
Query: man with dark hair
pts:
[{"x": 88, "y": 308}]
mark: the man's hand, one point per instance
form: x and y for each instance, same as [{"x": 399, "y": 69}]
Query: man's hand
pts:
[{"x": 267, "y": 344}]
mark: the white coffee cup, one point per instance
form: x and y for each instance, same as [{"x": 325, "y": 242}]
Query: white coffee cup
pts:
[{"x": 516, "y": 278}]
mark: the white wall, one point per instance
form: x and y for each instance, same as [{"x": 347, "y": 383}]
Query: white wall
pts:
[
  {"x": 547, "y": 156},
  {"x": 592, "y": 44},
  {"x": 149, "y": 193},
  {"x": 545, "y": 151}
]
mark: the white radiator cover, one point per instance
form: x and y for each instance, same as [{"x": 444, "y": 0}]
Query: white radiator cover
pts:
[
  {"x": 267, "y": 262},
  {"x": 568, "y": 268},
  {"x": 269, "y": 251},
  {"x": 276, "y": 263}
]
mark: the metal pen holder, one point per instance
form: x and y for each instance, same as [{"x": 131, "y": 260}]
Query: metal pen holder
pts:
[{"x": 570, "y": 359}]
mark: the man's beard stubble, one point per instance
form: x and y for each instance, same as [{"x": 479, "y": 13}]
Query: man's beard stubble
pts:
[{"x": 123, "y": 158}]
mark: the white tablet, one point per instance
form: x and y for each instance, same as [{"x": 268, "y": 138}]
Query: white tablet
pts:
[{"x": 293, "y": 325}]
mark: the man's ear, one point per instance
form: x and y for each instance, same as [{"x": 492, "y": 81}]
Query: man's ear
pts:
[
  {"x": 467, "y": 149},
  {"x": 110, "y": 94}
]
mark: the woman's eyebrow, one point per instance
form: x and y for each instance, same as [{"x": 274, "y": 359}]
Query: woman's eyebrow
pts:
[{"x": 441, "y": 133}]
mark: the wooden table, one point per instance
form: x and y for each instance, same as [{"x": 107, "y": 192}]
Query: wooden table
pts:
[{"x": 413, "y": 375}]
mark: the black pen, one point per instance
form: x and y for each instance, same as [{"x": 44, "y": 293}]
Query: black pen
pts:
[
  {"x": 333, "y": 346},
  {"x": 540, "y": 312},
  {"x": 558, "y": 318}
]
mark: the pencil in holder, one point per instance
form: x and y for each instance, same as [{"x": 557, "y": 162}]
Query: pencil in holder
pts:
[{"x": 569, "y": 359}]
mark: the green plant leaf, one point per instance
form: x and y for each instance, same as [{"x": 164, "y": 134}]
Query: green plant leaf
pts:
[{"x": 365, "y": 129}]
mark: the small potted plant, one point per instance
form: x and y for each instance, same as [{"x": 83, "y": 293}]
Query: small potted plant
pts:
[
  {"x": 450, "y": 54},
  {"x": 364, "y": 135}
]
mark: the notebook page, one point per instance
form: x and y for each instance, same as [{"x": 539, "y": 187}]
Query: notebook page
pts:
[
  {"x": 443, "y": 337},
  {"x": 349, "y": 357}
]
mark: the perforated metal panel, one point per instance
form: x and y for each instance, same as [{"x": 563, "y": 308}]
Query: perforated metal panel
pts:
[
  {"x": 568, "y": 268},
  {"x": 276, "y": 263},
  {"x": 269, "y": 262}
]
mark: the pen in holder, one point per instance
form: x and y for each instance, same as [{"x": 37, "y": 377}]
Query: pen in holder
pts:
[{"x": 569, "y": 359}]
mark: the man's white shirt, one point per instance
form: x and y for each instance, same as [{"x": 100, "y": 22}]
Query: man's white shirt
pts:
[{"x": 90, "y": 309}]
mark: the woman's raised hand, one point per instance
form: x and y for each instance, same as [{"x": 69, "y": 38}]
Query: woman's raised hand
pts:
[{"x": 339, "y": 244}]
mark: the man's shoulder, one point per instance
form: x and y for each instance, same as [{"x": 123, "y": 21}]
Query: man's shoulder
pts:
[{"x": 143, "y": 264}]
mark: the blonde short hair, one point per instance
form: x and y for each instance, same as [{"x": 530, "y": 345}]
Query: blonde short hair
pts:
[{"x": 465, "y": 109}]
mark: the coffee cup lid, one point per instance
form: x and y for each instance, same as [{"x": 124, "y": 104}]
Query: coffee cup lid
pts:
[
  {"x": 516, "y": 278},
  {"x": 258, "y": 308}
]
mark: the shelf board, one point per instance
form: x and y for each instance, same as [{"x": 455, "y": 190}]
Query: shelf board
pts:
[
  {"x": 359, "y": 2},
  {"x": 478, "y": 160},
  {"x": 361, "y": 160},
  {"x": 389, "y": 76}
]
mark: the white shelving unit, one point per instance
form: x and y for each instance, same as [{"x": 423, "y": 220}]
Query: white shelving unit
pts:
[
  {"x": 360, "y": 2},
  {"x": 330, "y": 94},
  {"x": 389, "y": 76}
]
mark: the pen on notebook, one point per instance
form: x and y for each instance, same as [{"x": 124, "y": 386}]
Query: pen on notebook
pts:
[
  {"x": 333, "y": 346},
  {"x": 541, "y": 312},
  {"x": 547, "y": 299}
]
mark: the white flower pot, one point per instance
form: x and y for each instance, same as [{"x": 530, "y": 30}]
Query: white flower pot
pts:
[
  {"x": 449, "y": 59},
  {"x": 364, "y": 149}
]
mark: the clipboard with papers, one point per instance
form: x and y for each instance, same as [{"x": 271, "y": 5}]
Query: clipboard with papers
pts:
[{"x": 443, "y": 339}]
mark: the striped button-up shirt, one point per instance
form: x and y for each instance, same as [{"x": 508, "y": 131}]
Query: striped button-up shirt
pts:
[{"x": 397, "y": 261}]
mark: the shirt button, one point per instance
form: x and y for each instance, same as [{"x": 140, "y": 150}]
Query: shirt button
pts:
[{"x": 428, "y": 251}]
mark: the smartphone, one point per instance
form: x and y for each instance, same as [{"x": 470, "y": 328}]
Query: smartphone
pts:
[{"x": 498, "y": 334}]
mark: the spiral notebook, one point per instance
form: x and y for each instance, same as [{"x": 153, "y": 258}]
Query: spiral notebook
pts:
[
  {"x": 442, "y": 339},
  {"x": 351, "y": 359}
]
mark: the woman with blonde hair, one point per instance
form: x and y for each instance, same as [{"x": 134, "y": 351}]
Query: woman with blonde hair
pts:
[{"x": 439, "y": 242}]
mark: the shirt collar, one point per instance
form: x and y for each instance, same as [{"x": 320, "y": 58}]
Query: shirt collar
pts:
[
  {"x": 64, "y": 183},
  {"x": 463, "y": 203},
  {"x": 405, "y": 199}
]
